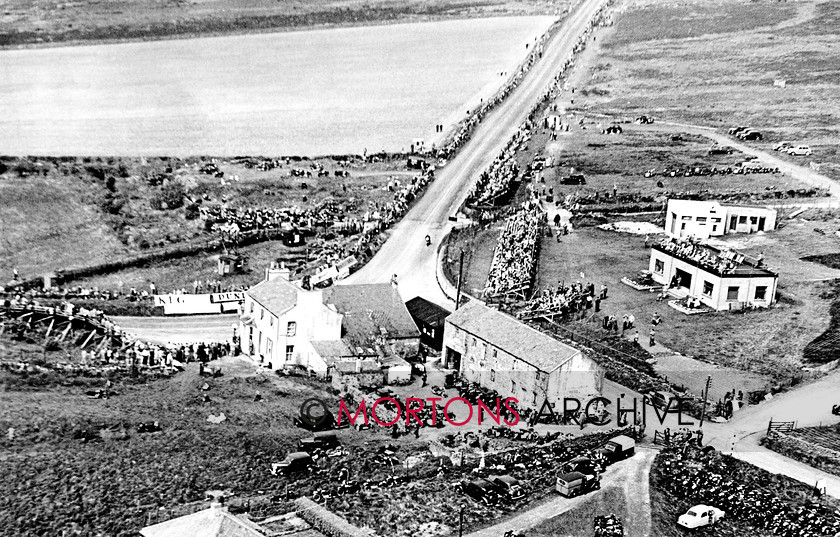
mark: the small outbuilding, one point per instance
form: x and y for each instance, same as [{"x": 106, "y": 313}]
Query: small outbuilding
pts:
[{"x": 430, "y": 319}]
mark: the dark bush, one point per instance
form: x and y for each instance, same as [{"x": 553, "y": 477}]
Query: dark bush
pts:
[{"x": 171, "y": 196}]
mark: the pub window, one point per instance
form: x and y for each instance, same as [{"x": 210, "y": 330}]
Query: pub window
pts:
[
  {"x": 732, "y": 293},
  {"x": 708, "y": 288},
  {"x": 290, "y": 352},
  {"x": 291, "y": 329},
  {"x": 686, "y": 218},
  {"x": 761, "y": 292}
]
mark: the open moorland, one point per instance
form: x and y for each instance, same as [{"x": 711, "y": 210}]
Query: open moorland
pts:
[
  {"x": 70, "y": 213},
  {"x": 715, "y": 64},
  {"x": 24, "y": 22},
  {"x": 315, "y": 92}
]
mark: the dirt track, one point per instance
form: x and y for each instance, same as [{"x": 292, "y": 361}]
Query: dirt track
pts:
[{"x": 630, "y": 475}]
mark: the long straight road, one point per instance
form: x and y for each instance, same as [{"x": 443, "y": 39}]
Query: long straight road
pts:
[{"x": 405, "y": 252}]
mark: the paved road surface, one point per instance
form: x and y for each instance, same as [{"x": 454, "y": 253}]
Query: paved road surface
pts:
[
  {"x": 630, "y": 475},
  {"x": 179, "y": 329},
  {"x": 405, "y": 252}
]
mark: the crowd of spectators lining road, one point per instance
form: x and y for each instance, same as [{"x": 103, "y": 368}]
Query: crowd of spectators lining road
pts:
[
  {"x": 232, "y": 222},
  {"x": 514, "y": 263},
  {"x": 463, "y": 134},
  {"x": 122, "y": 354},
  {"x": 132, "y": 294},
  {"x": 704, "y": 476},
  {"x": 497, "y": 180}
]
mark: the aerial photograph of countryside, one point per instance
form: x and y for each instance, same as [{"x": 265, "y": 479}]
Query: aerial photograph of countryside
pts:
[{"x": 419, "y": 268}]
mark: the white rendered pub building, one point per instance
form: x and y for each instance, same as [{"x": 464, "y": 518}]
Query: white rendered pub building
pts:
[{"x": 720, "y": 279}]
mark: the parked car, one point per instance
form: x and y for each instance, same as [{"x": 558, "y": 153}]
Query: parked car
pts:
[
  {"x": 735, "y": 130},
  {"x": 581, "y": 464},
  {"x": 320, "y": 440},
  {"x": 574, "y": 483},
  {"x": 750, "y": 135},
  {"x": 699, "y": 516},
  {"x": 508, "y": 487},
  {"x": 293, "y": 463},
  {"x": 576, "y": 179},
  {"x": 327, "y": 424},
  {"x": 799, "y": 151},
  {"x": 482, "y": 490},
  {"x": 618, "y": 448},
  {"x": 782, "y": 146},
  {"x": 644, "y": 120},
  {"x": 663, "y": 400},
  {"x": 720, "y": 150}
]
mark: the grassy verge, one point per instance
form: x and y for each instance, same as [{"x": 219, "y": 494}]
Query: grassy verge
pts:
[{"x": 122, "y": 20}]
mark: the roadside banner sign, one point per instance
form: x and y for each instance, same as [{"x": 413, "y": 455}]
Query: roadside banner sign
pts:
[{"x": 185, "y": 304}]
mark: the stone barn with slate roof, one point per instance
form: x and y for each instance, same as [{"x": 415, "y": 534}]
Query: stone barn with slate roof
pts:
[{"x": 503, "y": 354}]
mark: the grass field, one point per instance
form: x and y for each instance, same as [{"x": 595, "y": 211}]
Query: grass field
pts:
[
  {"x": 621, "y": 161},
  {"x": 60, "y": 213},
  {"x": 767, "y": 343},
  {"x": 49, "y": 21},
  {"x": 714, "y": 63},
  {"x": 313, "y": 92}
]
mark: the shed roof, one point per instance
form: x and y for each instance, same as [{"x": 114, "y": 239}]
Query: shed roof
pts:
[
  {"x": 332, "y": 349},
  {"x": 428, "y": 312},
  {"x": 512, "y": 336}
]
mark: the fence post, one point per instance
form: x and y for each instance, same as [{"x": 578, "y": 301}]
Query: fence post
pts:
[{"x": 770, "y": 426}]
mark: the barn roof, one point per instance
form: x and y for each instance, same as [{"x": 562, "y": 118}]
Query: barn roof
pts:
[{"x": 512, "y": 336}]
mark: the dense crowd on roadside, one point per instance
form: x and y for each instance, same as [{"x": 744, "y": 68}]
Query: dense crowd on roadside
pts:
[
  {"x": 496, "y": 180},
  {"x": 514, "y": 261},
  {"x": 704, "y": 476},
  {"x": 131, "y": 294}
]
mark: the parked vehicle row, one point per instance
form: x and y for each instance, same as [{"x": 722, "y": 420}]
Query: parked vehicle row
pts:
[{"x": 745, "y": 133}]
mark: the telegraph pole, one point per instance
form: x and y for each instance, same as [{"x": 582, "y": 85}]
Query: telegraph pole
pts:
[
  {"x": 705, "y": 399},
  {"x": 460, "y": 273},
  {"x": 461, "y": 519}
]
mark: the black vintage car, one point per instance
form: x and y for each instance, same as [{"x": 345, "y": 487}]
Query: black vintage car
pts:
[
  {"x": 293, "y": 463},
  {"x": 482, "y": 490},
  {"x": 574, "y": 179},
  {"x": 319, "y": 441}
]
